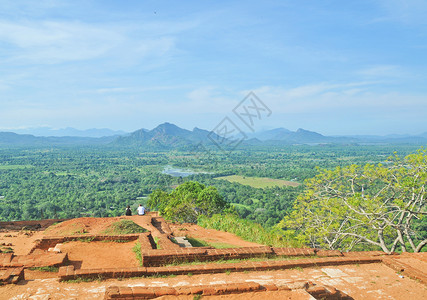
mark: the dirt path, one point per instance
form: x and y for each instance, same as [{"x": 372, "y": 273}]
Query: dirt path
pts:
[
  {"x": 145, "y": 222},
  {"x": 96, "y": 255},
  {"x": 22, "y": 241}
]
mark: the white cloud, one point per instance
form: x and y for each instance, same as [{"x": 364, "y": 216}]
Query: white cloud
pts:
[
  {"x": 52, "y": 42},
  {"x": 382, "y": 71},
  {"x": 311, "y": 90},
  {"x": 55, "y": 42},
  {"x": 336, "y": 97}
]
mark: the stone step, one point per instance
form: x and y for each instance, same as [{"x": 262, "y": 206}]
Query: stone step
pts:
[{"x": 183, "y": 242}]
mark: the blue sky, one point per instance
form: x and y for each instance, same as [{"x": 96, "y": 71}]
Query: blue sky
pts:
[{"x": 336, "y": 67}]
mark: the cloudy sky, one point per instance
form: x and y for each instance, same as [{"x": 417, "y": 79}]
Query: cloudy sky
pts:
[{"x": 335, "y": 67}]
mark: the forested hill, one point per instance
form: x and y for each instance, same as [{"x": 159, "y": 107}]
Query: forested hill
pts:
[
  {"x": 169, "y": 136},
  {"x": 166, "y": 136}
]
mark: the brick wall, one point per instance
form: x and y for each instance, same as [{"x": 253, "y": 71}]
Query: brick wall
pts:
[
  {"x": 68, "y": 272},
  {"x": 179, "y": 255},
  {"x": 146, "y": 241},
  {"x": 38, "y": 258},
  {"x": 161, "y": 225},
  {"x": 305, "y": 290},
  {"x": 165, "y": 243}
]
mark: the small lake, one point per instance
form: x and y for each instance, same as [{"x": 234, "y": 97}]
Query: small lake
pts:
[{"x": 177, "y": 172}]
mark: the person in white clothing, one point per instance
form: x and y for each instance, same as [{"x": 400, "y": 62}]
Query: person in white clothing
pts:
[{"x": 141, "y": 210}]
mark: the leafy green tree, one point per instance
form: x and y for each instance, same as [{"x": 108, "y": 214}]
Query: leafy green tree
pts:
[
  {"x": 187, "y": 202},
  {"x": 352, "y": 207}
]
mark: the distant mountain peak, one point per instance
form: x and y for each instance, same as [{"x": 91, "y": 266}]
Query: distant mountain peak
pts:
[
  {"x": 166, "y": 124},
  {"x": 304, "y": 131},
  {"x": 170, "y": 129}
]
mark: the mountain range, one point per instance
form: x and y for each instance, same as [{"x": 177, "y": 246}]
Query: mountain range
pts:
[
  {"x": 14, "y": 139},
  {"x": 170, "y": 136},
  {"x": 165, "y": 136},
  {"x": 69, "y": 131}
]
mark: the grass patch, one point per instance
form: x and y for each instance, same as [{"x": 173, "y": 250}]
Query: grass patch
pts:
[
  {"x": 246, "y": 229},
  {"x": 201, "y": 243},
  {"x": 238, "y": 260},
  {"x": 258, "y": 182},
  {"x": 196, "y": 242},
  {"x": 223, "y": 245},
  {"x": 137, "y": 250},
  {"x": 6, "y": 250},
  {"x": 115, "y": 241},
  {"x": 152, "y": 276},
  {"x": 124, "y": 227},
  {"x": 82, "y": 279},
  {"x": 156, "y": 241},
  {"x": 45, "y": 269},
  {"x": 85, "y": 240},
  {"x": 160, "y": 276}
]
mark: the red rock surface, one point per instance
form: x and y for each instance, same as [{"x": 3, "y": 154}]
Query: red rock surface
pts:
[{"x": 360, "y": 275}]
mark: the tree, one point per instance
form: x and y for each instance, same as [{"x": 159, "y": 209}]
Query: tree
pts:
[
  {"x": 354, "y": 206},
  {"x": 187, "y": 202}
]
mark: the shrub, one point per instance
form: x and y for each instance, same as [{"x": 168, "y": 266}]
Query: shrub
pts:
[
  {"x": 123, "y": 227},
  {"x": 247, "y": 230}
]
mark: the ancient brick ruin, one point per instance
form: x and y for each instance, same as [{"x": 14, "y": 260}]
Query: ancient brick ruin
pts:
[{"x": 172, "y": 259}]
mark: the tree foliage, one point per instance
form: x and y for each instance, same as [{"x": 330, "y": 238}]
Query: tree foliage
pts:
[
  {"x": 187, "y": 202},
  {"x": 379, "y": 205}
]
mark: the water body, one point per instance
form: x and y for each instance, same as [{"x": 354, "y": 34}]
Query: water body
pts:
[{"x": 177, "y": 172}]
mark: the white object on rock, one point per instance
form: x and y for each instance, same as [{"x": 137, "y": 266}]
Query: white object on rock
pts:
[{"x": 57, "y": 248}]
